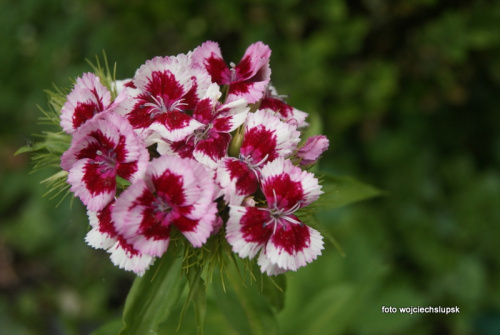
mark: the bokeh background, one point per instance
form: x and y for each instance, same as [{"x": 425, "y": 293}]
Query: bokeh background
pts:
[{"x": 408, "y": 92}]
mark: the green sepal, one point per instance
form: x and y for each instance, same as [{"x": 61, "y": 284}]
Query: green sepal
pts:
[{"x": 153, "y": 296}]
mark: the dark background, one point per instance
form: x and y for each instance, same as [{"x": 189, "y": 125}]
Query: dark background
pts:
[{"x": 407, "y": 92}]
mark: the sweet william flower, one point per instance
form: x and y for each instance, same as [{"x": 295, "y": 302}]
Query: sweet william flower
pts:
[
  {"x": 88, "y": 98},
  {"x": 284, "y": 242},
  {"x": 247, "y": 79},
  {"x": 175, "y": 192},
  {"x": 165, "y": 89},
  {"x": 102, "y": 149}
]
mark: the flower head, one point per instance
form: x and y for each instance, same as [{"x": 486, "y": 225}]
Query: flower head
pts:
[
  {"x": 166, "y": 87},
  {"x": 177, "y": 193},
  {"x": 102, "y": 149},
  {"x": 88, "y": 98},
  {"x": 247, "y": 79}
]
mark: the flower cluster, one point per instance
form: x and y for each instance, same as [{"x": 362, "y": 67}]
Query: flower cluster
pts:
[{"x": 193, "y": 145}]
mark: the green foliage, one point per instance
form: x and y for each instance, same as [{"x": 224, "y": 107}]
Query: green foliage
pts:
[{"x": 407, "y": 93}]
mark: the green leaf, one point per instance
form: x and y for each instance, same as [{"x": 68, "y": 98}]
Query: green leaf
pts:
[
  {"x": 273, "y": 289},
  {"x": 153, "y": 296},
  {"x": 244, "y": 306},
  {"x": 342, "y": 191},
  {"x": 110, "y": 328},
  {"x": 198, "y": 296}
]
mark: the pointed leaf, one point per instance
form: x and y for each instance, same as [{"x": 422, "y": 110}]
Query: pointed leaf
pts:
[
  {"x": 153, "y": 296},
  {"x": 244, "y": 306},
  {"x": 341, "y": 191}
]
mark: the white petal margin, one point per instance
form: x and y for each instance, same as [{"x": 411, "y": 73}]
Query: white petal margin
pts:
[
  {"x": 266, "y": 266},
  {"x": 124, "y": 259},
  {"x": 95, "y": 238},
  {"x": 280, "y": 259},
  {"x": 235, "y": 237}
]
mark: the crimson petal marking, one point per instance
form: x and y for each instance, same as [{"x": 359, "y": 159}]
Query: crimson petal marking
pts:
[
  {"x": 126, "y": 257},
  {"x": 245, "y": 230},
  {"x": 292, "y": 246},
  {"x": 94, "y": 188},
  {"x": 103, "y": 234},
  {"x": 88, "y": 97},
  {"x": 273, "y": 172},
  {"x": 236, "y": 179},
  {"x": 197, "y": 231},
  {"x": 211, "y": 150},
  {"x": 138, "y": 221}
]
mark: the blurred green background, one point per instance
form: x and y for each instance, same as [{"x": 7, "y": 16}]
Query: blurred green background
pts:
[{"x": 408, "y": 93}]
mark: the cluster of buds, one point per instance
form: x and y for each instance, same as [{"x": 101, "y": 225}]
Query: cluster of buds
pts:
[{"x": 194, "y": 145}]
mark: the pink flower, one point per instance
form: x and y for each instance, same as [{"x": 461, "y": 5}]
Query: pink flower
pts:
[
  {"x": 102, "y": 149},
  {"x": 284, "y": 242},
  {"x": 88, "y": 98},
  {"x": 175, "y": 192},
  {"x": 287, "y": 113},
  {"x": 248, "y": 79},
  {"x": 266, "y": 138},
  {"x": 312, "y": 149},
  {"x": 165, "y": 89}
]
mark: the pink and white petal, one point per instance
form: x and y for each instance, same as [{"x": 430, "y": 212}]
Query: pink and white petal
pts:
[
  {"x": 293, "y": 246},
  {"x": 205, "y": 192},
  {"x": 136, "y": 222},
  {"x": 266, "y": 134},
  {"x": 197, "y": 231},
  {"x": 266, "y": 266},
  {"x": 236, "y": 179},
  {"x": 174, "y": 177},
  {"x": 250, "y": 91},
  {"x": 94, "y": 189},
  {"x": 245, "y": 230},
  {"x": 230, "y": 116},
  {"x": 151, "y": 246},
  {"x": 176, "y": 126},
  {"x": 209, "y": 57},
  {"x": 274, "y": 171},
  {"x": 212, "y": 149},
  {"x": 126, "y": 257},
  {"x": 103, "y": 234},
  {"x": 87, "y": 98},
  {"x": 255, "y": 58},
  {"x": 133, "y": 146},
  {"x": 205, "y": 108}
]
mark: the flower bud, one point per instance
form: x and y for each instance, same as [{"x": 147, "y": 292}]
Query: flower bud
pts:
[
  {"x": 235, "y": 144},
  {"x": 312, "y": 149}
]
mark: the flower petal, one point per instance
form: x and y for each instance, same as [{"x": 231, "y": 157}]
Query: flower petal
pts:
[
  {"x": 126, "y": 257},
  {"x": 291, "y": 247},
  {"x": 245, "y": 230},
  {"x": 87, "y": 98},
  {"x": 285, "y": 184}
]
